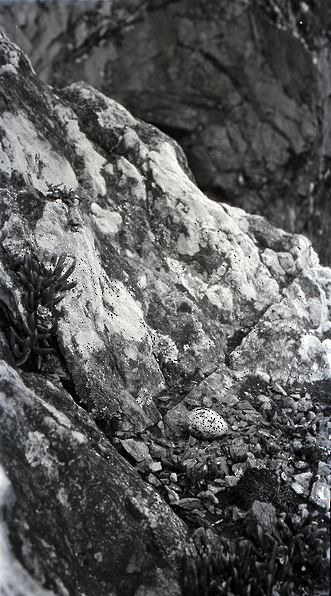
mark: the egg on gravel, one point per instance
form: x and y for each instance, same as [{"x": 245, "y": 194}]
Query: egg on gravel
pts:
[{"x": 205, "y": 423}]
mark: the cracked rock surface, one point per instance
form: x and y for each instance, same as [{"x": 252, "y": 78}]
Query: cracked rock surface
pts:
[
  {"x": 180, "y": 303},
  {"x": 243, "y": 86}
]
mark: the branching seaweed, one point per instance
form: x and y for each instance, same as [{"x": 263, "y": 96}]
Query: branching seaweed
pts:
[{"x": 44, "y": 287}]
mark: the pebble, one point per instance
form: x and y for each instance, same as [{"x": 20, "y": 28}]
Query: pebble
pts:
[
  {"x": 239, "y": 469},
  {"x": 206, "y": 423},
  {"x": 153, "y": 480},
  {"x": 231, "y": 481},
  {"x": 238, "y": 450},
  {"x": 137, "y": 449},
  {"x": 298, "y": 488},
  {"x": 155, "y": 466},
  {"x": 320, "y": 494},
  {"x": 304, "y": 481},
  {"x": 323, "y": 469}
]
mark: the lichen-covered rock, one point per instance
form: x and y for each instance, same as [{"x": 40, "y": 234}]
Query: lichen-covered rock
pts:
[
  {"x": 225, "y": 85},
  {"x": 179, "y": 302},
  {"x": 206, "y": 424}
]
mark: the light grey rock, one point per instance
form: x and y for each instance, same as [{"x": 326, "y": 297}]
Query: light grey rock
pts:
[
  {"x": 303, "y": 480},
  {"x": 231, "y": 481},
  {"x": 320, "y": 494},
  {"x": 136, "y": 449},
  {"x": 238, "y": 450},
  {"x": 176, "y": 420},
  {"x": 323, "y": 469}
]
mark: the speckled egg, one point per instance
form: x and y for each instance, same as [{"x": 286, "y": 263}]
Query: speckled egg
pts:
[{"x": 205, "y": 423}]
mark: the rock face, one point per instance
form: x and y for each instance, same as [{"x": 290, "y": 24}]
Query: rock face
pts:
[
  {"x": 243, "y": 86},
  {"x": 179, "y": 302}
]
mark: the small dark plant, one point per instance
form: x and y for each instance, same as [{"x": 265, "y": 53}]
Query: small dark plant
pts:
[
  {"x": 241, "y": 571},
  {"x": 272, "y": 565},
  {"x": 45, "y": 286}
]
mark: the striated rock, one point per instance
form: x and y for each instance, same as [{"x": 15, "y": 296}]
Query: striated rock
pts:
[{"x": 206, "y": 424}]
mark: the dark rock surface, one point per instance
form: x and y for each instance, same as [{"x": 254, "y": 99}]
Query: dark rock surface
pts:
[
  {"x": 243, "y": 86},
  {"x": 179, "y": 303}
]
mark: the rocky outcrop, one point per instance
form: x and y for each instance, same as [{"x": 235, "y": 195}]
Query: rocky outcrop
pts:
[
  {"x": 179, "y": 303},
  {"x": 243, "y": 86}
]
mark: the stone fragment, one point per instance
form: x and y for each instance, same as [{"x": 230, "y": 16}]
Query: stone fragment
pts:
[
  {"x": 188, "y": 503},
  {"x": 239, "y": 469},
  {"x": 173, "y": 496},
  {"x": 153, "y": 480},
  {"x": 320, "y": 494},
  {"x": 265, "y": 402},
  {"x": 301, "y": 465},
  {"x": 238, "y": 450},
  {"x": 298, "y": 488},
  {"x": 323, "y": 469},
  {"x": 175, "y": 420},
  {"x": 155, "y": 466},
  {"x": 157, "y": 451},
  {"x": 231, "y": 481},
  {"x": 303, "y": 480},
  {"x": 206, "y": 424},
  {"x": 136, "y": 449}
]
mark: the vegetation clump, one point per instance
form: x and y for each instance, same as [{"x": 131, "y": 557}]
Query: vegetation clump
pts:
[
  {"x": 45, "y": 285},
  {"x": 272, "y": 565}
]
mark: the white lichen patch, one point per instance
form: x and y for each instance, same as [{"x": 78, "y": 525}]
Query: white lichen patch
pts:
[
  {"x": 131, "y": 180},
  {"x": 132, "y": 142},
  {"x": 37, "y": 452},
  {"x": 114, "y": 115},
  {"x": 206, "y": 424},
  {"x": 8, "y": 68},
  {"x": 26, "y": 151},
  {"x": 327, "y": 346},
  {"x": 62, "y": 496},
  {"x": 221, "y": 297},
  {"x": 124, "y": 314},
  {"x": 14, "y": 579},
  {"x": 83, "y": 148},
  {"x": 164, "y": 346},
  {"x": 208, "y": 226},
  {"x": 78, "y": 437},
  {"x": 313, "y": 351},
  {"x": 86, "y": 316},
  {"x": 107, "y": 222}
]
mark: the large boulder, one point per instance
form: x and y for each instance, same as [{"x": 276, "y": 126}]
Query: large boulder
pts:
[
  {"x": 179, "y": 302},
  {"x": 243, "y": 86}
]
